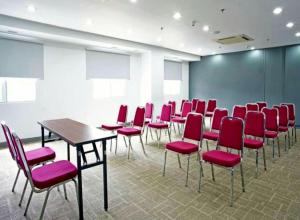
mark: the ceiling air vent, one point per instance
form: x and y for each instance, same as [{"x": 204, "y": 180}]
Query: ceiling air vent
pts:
[{"x": 234, "y": 39}]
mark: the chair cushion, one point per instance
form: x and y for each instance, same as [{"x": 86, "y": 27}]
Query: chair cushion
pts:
[
  {"x": 178, "y": 120},
  {"x": 182, "y": 147},
  {"x": 209, "y": 114},
  {"x": 39, "y": 155},
  {"x": 178, "y": 114},
  {"x": 158, "y": 125},
  {"x": 111, "y": 127},
  {"x": 283, "y": 129},
  {"x": 292, "y": 123},
  {"x": 252, "y": 143},
  {"x": 221, "y": 158},
  {"x": 53, "y": 173},
  {"x": 129, "y": 131},
  {"x": 147, "y": 121},
  {"x": 271, "y": 134},
  {"x": 210, "y": 135}
]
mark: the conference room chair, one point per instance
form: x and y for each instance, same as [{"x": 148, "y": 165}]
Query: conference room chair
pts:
[
  {"x": 261, "y": 105},
  {"x": 239, "y": 111},
  {"x": 213, "y": 133},
  {"x": 252, "y": 107},
  {"x": 149, "y": 112},
  {"x": 200, "y": 107},
  {"x": 162, "y": 124},
  {"x": 283, "y": 129},
  {"x": 271, "y": 127},
  {"x": 121, "y": 122},
  {"x": 255, "y": 135},
  {"x": 44, "y": 178},
  {"x": 194, "y": 104},
  {"x": 190, "y": 143},
  {"x": 136, "y": 129},
  {"x": 173, "y": 104},
  {"x": 292, "y": 119},
  {"x": 181, "y": 107},
  {"x": 211, "y": 106},
  {"x": 231, "y": 138},
  {"x": 180, "y": 120},
  {"x": 34, "y": 157}
]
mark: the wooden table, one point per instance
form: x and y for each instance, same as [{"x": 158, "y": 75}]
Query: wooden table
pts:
[{"x": 78, "y": 135}]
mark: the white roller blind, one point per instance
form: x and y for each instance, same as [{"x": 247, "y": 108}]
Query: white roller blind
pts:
[
  {"x": 107, "y": 65},
  {"x": 21, "y": 59},
  {"x": 173, "y": 70}
]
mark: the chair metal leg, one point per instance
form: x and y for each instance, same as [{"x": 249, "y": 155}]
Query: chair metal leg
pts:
[
  {"x": 76, "y": 190},
  {"x": 289, "y": 139},
  {"x": 23, "y": 193},
  {"x": 169, "y": 134},
  {"x": 147, "y": 130},
  {"x": 143, "y": 145},
  {"x": 157, "y": 137},
  {"x": 151, "y": 134},
  {"x": 231, "y": 192},
  {"x": 264, "y": 155},
  {"x": 65, "y": 192},
  {"x": 125, "y": 142},
  {"x": 28, "y": 202},
  {"x": 212, "y": 172},
  {"x": 178, "y": 128},
  {"x": 187, "y": 170},
  {"x": 200, "y": 175},
  {"x": 16, "y": 179},
  {"x": 165, "y": 161},
  {"x": 110, "y": 145},
  {"x": 179, "y": 162},
  {"x": 207, "y": 145},
  {"x": 295, "y": 134},
  {"x": 285, "y": 148},
  {"x": 129, "y": 146},
  {"x": 256, "y": 163},
  {"x": 273, "y": 147},
  {"x": 292, "y": 138},
  {"x": 278, "y": 145},
  {"x": 116, "y": 147},
  {"x": 242, "y": 176},
  {"x": 44, "y": 205}
]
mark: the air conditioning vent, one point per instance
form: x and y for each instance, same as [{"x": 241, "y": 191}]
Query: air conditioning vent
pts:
[{"x": 235, "y": 39}]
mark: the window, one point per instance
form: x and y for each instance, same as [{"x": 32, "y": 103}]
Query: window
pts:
[
  {"x": 108, "y": 88},
  {"x": 17, "y": 90},
  {"x": 172, "y": 87}
]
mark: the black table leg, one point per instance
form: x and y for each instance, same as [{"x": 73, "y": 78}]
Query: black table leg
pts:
[
  {"x": 68, "y": 151},
  {"x": 43, "y": 136},
  {"x": 105, "y": 175},
  {"x": 78, "y": 150}
]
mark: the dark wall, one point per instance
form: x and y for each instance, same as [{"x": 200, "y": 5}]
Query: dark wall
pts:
[{"x": 271, "y": 75}]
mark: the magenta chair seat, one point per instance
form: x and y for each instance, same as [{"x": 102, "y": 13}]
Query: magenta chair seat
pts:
[
  {"x": 158, "y": 125},
  {"x": 209, "y": 114},
  {"x": 129, "y": 131},
  {"x": 111, "y": 127},
  {"x": 182, "y": 147},
  {"x": 271, "y": 134},
  {"x": 39, "y": 155},
  {"x": 292, "y": 123},
  {"x": 221, "y": 158},
  {"x": 178, "y": 120},
  {"x": 253, "y": 144},
  {"x": 210, "y": 135},
  {"x": 53, "y": 173},
  {"x": 283, "y": 129}
]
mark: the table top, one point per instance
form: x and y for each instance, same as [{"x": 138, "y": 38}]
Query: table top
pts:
[{"x": 74, "y": 132}]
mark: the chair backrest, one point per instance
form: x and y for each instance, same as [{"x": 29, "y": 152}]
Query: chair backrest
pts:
[
  {"x": 187, "y": 108},
  {"x": 9, "y": 142},
  {"x": 283, "y": 112},
  {"x": 231, "y": 134},
  {"x": 182, "y": 102},
  {"x": 292, "y": 110},
  {"x": 166, "y": 113},
  {"x": 173, "y": 104},
  {"x": 211, "y": 105},
  {"x": 201, "y": 107},
  {"x": 194, "y": 104},
  {"x": 122, "y": 116},
  {"x": 255, "y": 124},
  {"x": 149, "y": 110},
  {"x": 193, "y": 128},
  {"x": 271, "y": 116},
  {"x": 239, "y": 111},
  {"x": 252, "y": 107},
  {"x": 261, "y": 105},
  {"x": 218, "y": 115},
  {"x": 139, "y": 117}
]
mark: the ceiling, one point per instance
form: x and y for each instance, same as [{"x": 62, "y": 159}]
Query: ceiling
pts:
[{"x": 143, "y": 21}]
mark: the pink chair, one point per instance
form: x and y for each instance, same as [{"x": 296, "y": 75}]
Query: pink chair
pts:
[
  {"x": 173, "y": 104},
  {"x": 136, "y": 129},
  {"x": 231, "y": 137},
  {"x": 44, "y": 178},
  {"x": 255, "y": 134},
  {"x": 194, "y": 104},
  {"x": 180, "y": 120},
  {"x": 162, "y": 124},
  {"x": 213, "y": 134},
  {"x": 211, "y": 106},
  {"x": 239, "y": 111},
  {"x": 149, "y": 112},
  {"x": 292, "y": 119},
  {"x": 193, "y": 130},
  {"x": 261, "y": 105},
  {"x": 181, "y": 107},
  {"x": 34, "y": 157},
  {"x": 200, "y": 107},
  {"x": 252, "y": 107},
  {"x": 283, "y": 112}
]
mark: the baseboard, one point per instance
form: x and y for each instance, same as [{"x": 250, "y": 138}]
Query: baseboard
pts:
[{"x": 25, "y": 141}]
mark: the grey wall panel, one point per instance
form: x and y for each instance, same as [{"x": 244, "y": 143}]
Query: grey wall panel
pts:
[{"x": 172, "y": 70}]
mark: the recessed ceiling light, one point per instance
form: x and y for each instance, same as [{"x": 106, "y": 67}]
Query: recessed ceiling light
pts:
[
  {"x": 159, "y": 39},
  {"x": 290, "y": 25},
  {"x": 213, "y": 53},
  {"x": 277, "y": 11},
  {"x": 31, "y": 8},
  {"x": 252, "y": 48},
  {"x": 199, "y": 49},
  {"x": 181, "y": 45},
  {"x": 89, "y": 21},
  {"x": 297, "y": 34},
  {"x": 133, "y": 1},
  {"x": 177, "y": 16},
  {"x": 205, "y": 28},
  {"x": 129, "y": 31}
]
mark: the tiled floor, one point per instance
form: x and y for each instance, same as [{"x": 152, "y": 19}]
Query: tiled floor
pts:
[{"x": 137, "y": 189}]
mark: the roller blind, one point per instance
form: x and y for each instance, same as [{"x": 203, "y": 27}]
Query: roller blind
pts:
[
  {"x": 21, "y": 59},
  {"x": 173, "y": 70},
  {"x": 107, "y": 65}
]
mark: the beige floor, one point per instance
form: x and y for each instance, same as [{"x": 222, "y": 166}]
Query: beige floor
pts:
[{"x": 137, "y": 189}]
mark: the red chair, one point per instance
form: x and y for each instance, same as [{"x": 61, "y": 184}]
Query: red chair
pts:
[
  {"x": 211, "y": 106},
  {"x": 193, "y": 130},
  {"x": 239, "y": 111},
  {"x": 252, "y": 107},
  {"x": 292, "y": 119},
  {"x": 173, "y": 104},
  {"x": 283, "y": 122},
  {"x": 162, "y": 124},
  {"x": 201, "y": 107},
  {"x": 148, "y": 112},
  {"x": 180, "y": 120},
  {"x": 213, "y": 134},
  {"x": 261, "y": 105},
  {"x": 255, "y": 134},
  {"x": 44, "y": 178},
  {"x": 271, "y": 132},
  {"x": 194, "y": 104},
  {"x": 136, "y": 129},
  {"x": 231, "y": 137},
  {"x": 121, "y": 121},
  {"x": 34, "y": 157},
  {"x": 181, "y": 106}
]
